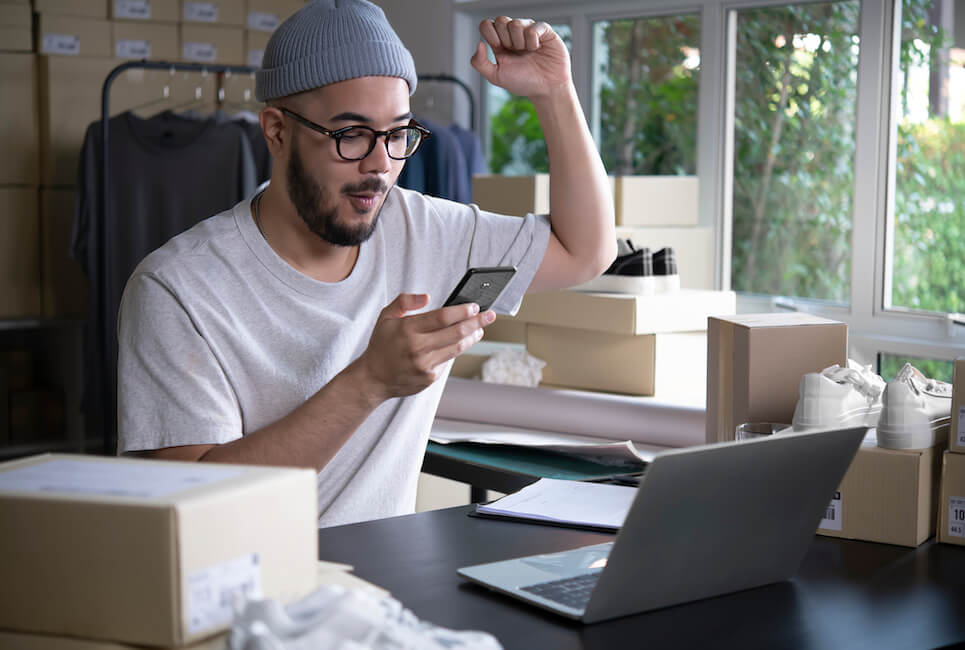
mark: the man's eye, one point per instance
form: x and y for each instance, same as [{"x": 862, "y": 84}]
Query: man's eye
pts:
[{"x": 354, "y": 134}]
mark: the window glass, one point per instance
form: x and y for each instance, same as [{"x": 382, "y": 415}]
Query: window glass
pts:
[
  {"x": 516, "y": 143},
  {"x": 927, "y": 270},
  {"x": 646, "y": 72},
  {"x": 890, "y": 364},
  {"x": 794, "y": 142}
]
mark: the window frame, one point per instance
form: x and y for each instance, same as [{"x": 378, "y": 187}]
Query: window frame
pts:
[{"x": 872, "y": 327}]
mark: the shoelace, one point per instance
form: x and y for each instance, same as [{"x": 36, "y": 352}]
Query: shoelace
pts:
[
  {"x": 922, "y": 384},
  {"x": 864, "y": 381}
]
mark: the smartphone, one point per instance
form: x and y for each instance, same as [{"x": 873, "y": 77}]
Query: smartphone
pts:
[{"x": 482, "y": 286}]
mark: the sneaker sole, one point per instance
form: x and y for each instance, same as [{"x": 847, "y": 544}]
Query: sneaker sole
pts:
[
  {"x": 922, "y": 436},
  {"x": 637, "y": 285},
  {"x": 860, "y": 418}
]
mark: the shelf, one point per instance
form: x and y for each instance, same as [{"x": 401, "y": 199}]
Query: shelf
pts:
[
  {"x": 10, "y": 452},
  {"x": 10, "y": 324}
]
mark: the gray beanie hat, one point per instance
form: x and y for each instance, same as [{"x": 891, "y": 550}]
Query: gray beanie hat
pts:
[{"x": 329, "y": 41}]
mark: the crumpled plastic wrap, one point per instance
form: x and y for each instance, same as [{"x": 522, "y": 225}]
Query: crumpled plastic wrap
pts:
[{"x": 514, "y": 367}]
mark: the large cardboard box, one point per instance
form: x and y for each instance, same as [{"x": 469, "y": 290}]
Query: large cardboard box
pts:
[
  {"x": 514, "y": 195},
  {"x": 164, "y": 11},
  {"x": 755, "y": 363},
  {"x": 64, "y": 280},
  {"x": 255, "y": 44},
  {"x": 20, "y": 289},
  {"x": 22, "y": 641},
  {"x": 212, "y": 44},
  {"x": 149, "y": 552},
  {"x": 60, "y": 34},
  {"x": 16, "y": 28},
  {"x": 887, "y": 496},
  {"x": 951, "y": 504},
  {"x": 15, "y": 16},
  {"x": 88, "y": 8},
  {"x": 679, "y": 311},
  {"x": 267, "y": 15},
  {"x": 19, "y": 164},
  {"x": 132, "y": 40},
  {"x": 956, "y": 436},
  {"x": 655, "y": 200},
  {"x": 221, "y": 12}
]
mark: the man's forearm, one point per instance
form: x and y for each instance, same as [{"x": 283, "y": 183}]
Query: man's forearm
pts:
[
  {"x": 312, "y": 434},
  {"x": 581, "y": 203}
]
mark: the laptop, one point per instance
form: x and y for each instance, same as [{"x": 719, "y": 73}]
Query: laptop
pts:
[{"x": 706, "y": 521}]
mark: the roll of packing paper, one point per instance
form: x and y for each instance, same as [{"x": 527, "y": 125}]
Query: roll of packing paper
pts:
[{"x": 601, "y": 415}]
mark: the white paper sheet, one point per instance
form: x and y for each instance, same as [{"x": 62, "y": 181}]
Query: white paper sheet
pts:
[
  {"x": 446, "y": 431},
  {"x": 567, "y": 502},
  {"x": 581, "y": 413}
]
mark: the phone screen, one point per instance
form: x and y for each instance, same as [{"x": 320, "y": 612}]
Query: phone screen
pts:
[{"x": 481, "y": 286}]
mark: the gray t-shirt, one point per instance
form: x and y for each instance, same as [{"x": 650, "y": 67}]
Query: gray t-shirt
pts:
[{"x": 220, "y": 337}]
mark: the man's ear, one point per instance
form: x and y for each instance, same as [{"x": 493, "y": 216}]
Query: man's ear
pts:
[{"x": 273, "y": 127}]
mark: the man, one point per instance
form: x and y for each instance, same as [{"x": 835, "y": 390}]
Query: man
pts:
[{"x": 304, "y": 327}]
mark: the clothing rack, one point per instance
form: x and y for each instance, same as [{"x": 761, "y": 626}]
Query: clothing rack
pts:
[
  {"x": 110, "y": 437},
  {"x": 446, "y": 78}
]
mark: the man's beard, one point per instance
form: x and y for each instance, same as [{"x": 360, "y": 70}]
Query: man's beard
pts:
[{"x": 310, "y": 200}]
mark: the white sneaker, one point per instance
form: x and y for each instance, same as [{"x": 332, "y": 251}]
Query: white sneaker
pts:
[
  {"x": 837, "y": 397},
  {"x": 334, "y": 617},
  {"x": 916, "y": 411}
]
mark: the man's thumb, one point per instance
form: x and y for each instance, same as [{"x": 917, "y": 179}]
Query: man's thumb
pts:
[
  {"x": 482, "y": 64},
  {"x": 405, "y": 302}
]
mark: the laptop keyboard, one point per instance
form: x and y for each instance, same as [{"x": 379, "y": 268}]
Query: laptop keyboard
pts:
[{"x": 573, "y": 592}]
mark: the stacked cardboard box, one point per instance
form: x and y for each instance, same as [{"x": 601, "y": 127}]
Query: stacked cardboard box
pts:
[
  {"x": 16, "y": 27},
  {"x": 951, "y": 503}
]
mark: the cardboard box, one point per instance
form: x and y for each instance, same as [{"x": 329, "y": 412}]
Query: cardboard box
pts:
[
  {"x": 64, "y": 280},
  {"x": 212, "y": 44},
  {"x": 514, "y": 195},
  {"x": 149, "y": 552},
  {"x": 951, "y": 504},
  {"x": 19, "y": 131},
  {"x": 23, "y": 641},
  {"x": 59, "y": 34},
  {"x": 157, "y": 41},
  {"x": 956, "y": 436},
  {"x": 679, "y": 311},
  {"x": 655, "y": 200},
  {"x": 220, "y": 12},
  {"x": 468, "y": 366},
  {"x": 267, "y": 15},
  {"x": 163, "y": 11},
  {"x": 505, "y": 329},
  {"x": 15, "y": 16},
  {"x": 255, "y": 44},
  {"x": 88, "y": 8},
  {"x": 886, "y": 496},
  {"x": 16, "y": 39},
  {"x": 755, "y": 363},
  {"x": 20, "y": 288}
]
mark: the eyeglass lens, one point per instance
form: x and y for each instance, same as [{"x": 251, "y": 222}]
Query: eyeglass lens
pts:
[{"x": 357, "y": 143}]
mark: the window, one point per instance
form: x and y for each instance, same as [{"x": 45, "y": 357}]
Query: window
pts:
[
  {"x": 646, "y": 73},
  {"x": 927, "y": 246},
  {"x": 795, "y": 99}
]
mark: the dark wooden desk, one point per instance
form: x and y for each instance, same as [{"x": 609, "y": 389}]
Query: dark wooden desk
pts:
[{"x": 846, "y": 595}]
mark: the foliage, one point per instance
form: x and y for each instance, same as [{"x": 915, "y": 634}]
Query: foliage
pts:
[{"x": 889, "y": 365}]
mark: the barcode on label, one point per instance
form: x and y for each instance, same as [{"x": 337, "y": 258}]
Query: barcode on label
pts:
[
  {"x": 203, "y": 52},
  {"x": 136, "y": 9},
  {"x": 132, "y": 49},
  {"x": 961, "y": 426},
  {"x": 956, "y": 516},
  {"x": 60, "y": 44},
  {"x": 205, "y": 12},
  {"x": 263, "y": 21},
  {"x": 833, "y": 514}
]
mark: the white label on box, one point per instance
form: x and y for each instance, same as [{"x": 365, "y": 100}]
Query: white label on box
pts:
[
  {"x": 61, "y": 44},
  {"x": 136, "y": 9},
  {"x": 834, "y": 514},
  {"x": 255, "y": 57},
  {"x": 202, "y": 12},
  {"x": 204, "y": 52},
  {"x": 961, "y": 426},
  {"x": 132, "y": 49},
  {"x": 956, "y": 516},
  {"x": 212, "y": 591},
  {"x": 110, "y": 478},
  {"x": 263, "y": 21}
]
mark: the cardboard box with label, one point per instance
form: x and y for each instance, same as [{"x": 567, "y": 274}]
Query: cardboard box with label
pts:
[
  {"x": 63, "y": 35},
  {"x": 64, "y": 280},
  {"x": 16, "y": 28},
  {"x": 149, "y": 552},
  {"x": 755, "y": 363},
  {"x": 132, "y": 40},
  {"x": 88, "y": 8},
  {"x": 267, "y": 15},
  {"x": 686, "y": 310},
  {"x": 215, "y": 12},
  {"x": 887, "y": 496},
  {"x": 20, "y": 288},
  {"x": 212, "y": 44},
  {"x": 951, "y": 503},
  {"x": 513, "y": 195},
  {"x": 19, "y": 131},
  {"x": 655, "y": 200},
  {"x": 163, "y": 11},
  {"x": 956, "y": 429},
  {"x": 255, "y": 44}
]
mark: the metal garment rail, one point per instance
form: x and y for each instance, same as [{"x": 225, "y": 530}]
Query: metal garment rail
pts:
[{"x": 462, "y": 84}]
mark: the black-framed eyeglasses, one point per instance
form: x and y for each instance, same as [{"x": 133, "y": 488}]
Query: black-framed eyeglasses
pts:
[{"x": 357, "y": 141}]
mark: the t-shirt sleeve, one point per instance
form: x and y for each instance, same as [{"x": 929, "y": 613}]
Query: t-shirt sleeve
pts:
[{"x": 171, "y": 390}]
